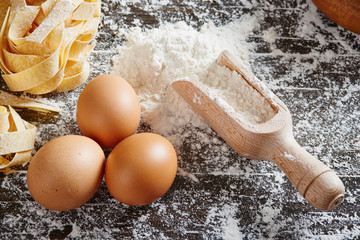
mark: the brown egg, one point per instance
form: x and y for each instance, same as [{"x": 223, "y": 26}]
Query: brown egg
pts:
[
  {"x": 141, "y": 169},
  {"x": 108, "y": 110},
  {"x": 66, "y": 172}
]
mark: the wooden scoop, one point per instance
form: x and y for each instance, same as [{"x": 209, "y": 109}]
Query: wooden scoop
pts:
[{"x": 272, "y": 140}]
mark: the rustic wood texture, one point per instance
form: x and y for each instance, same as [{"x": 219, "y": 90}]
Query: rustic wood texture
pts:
[{"x": 230, "y": 197}]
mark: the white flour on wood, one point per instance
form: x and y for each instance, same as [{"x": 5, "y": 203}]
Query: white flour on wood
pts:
[{"x": 151, "y": 60}]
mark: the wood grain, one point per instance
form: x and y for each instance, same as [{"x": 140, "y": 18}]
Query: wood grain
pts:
[{"x": 312, "y": 66}]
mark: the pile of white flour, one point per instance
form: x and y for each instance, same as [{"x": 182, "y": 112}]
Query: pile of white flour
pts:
[{"x": 150, "y": 60}]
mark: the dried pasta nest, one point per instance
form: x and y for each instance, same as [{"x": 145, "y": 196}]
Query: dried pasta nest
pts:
[
  {"x": 17, "y": 138},
  {"x": 45, "y": 44}
]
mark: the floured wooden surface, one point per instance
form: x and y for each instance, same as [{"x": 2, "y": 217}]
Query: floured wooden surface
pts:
[{"x": 309, "y": 62}]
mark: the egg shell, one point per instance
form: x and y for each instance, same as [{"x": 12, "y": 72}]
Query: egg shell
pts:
[
  {"x": 66, "y": 172},
  {"x": 108, "y": 110},
  {"x": 141, "y": 169}
]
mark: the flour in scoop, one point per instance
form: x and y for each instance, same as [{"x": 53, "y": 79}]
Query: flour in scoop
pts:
[{"x": 246, "y": 101}]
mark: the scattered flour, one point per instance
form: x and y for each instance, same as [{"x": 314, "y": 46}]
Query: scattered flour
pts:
[
  {"x": 225, "y": 217},
  {"x": 181, "y": 172},
  {"x": 290, "y": 157},
  {"x": 270, "y": 35},
  {"x": 267, "y": 217}
]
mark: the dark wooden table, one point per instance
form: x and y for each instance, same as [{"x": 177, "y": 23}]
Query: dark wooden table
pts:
[{"x": 313, "y": 66}]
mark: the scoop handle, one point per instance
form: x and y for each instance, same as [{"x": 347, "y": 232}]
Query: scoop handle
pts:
[{"x": 316, "y": 182}]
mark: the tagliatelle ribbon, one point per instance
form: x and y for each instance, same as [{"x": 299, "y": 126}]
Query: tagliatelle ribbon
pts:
[
  {"x": 44, "y": 45},
  {"x": 7, "y": 99},
  {"x": 17, "y": 138}
]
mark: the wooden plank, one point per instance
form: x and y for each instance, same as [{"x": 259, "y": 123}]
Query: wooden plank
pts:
[
  {"x": 188, "y": 209},
  {"x": 311, "y": 64}
]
